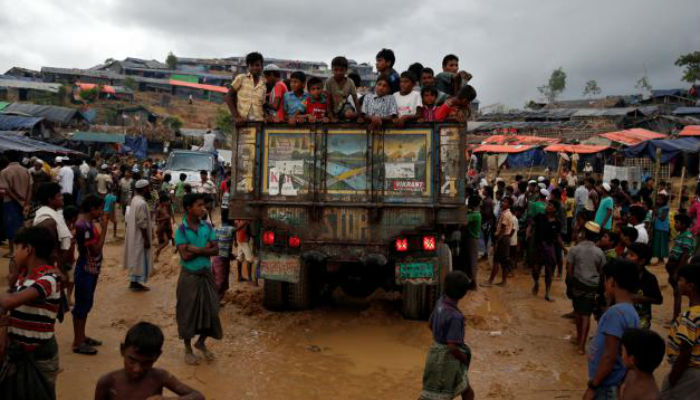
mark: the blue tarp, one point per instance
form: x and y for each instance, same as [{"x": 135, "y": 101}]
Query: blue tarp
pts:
[
  {"x": 670, "y": 148},
  {"x": 137, "y": 145},
  {"x": 16, "y": 122},
  {"x": 12, "y": 141},
  {"x": 526, "y": 158}
]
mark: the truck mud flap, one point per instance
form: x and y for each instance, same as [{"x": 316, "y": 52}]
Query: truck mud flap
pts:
[
  {"x": 418, "y": 300},
  {"x": 299, "y": 294},
  {"x": 274, "y": 296}
]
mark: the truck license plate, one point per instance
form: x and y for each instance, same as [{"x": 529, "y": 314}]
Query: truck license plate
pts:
[
  {"x": 415, "y": 272},
  {"x": 280, "y": 268}
]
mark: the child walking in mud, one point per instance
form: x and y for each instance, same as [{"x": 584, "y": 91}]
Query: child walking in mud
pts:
[
  {"x": 197, "y": 309},
  {"x": 138, "y": 379},
  {"x": 445, "y": 374}
]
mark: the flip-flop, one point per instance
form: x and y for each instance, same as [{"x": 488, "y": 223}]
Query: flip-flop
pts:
[
  {"x": 92, "y": 342},
  {"x": 85, "y": 349}
]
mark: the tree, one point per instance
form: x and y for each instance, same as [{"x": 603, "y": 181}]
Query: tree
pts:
[
  {"x": 109, "y": 60},
  {"x": 91, "y": 95},
  {"x": 171, "y": 61},
  {"x": 173, "y": 123},
  {"x": 691, "y": 62},
  {"x": 224, "y": 121},
  {"x": 643, "y": 84},
  {"x": 555, "y": 86},
  {"x": 591, "y": 88},
  {"x": 131, "y": 83}
]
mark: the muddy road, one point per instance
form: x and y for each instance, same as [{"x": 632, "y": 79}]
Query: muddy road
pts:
[{"x": 351, "y": 350}]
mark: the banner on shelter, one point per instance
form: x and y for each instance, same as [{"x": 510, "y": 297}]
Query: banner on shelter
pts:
[{"x": 629, "y": 174}]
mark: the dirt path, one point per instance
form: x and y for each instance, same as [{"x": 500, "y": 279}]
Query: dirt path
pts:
[{"x": 353, "y": 350}]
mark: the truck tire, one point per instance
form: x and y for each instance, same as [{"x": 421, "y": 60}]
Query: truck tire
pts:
[
  {"x": 299, "y": 294},
  {"x": 273, "y": 295},
  {"x": 418, "y": 300}
]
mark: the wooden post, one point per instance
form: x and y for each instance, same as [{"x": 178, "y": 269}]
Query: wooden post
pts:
[
  {"x": 681, "y": 189},
  {"x": 657, "y": 172}
]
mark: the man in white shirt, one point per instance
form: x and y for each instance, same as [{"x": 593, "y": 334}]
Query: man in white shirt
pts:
[
  {"x": 636, "y": 218},
  {"x": 581, "y": 197},
  {"x": 65, "y": 175},
  {"x": 209, "y": 142}
]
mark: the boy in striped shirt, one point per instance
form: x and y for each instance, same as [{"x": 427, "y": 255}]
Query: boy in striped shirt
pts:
[
  {"x": 683, "y": 346},
  {"x": 32, "y": 304}
]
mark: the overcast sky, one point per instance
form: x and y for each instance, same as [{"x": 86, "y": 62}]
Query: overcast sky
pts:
[{"x": 510, "y": 46}]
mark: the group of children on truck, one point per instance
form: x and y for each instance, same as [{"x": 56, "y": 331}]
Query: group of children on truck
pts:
[{"x": 414, "y": 95}]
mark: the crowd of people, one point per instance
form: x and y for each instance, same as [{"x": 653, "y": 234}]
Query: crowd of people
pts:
[{"x": 599, "y": 237}]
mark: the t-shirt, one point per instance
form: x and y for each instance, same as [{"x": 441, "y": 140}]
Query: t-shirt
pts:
[
  {"x": 570, "y": 206},
  {"x": 683, "y": 243},
  {"x": 661, "y": 220},
  {"x": 125, "y": 190},
  {"x": 339, "y": 92},
  {"x": 447, "y": 322},
  {"x": 241, "y": 234},
  {"x": 474, "y": 224},
  {"x": 505, "y": 223},
  {"x": 317, "y": 107},
  {"x": 587, "y": 261},
  {"x": 606, "y": 205},
  {"x": 32, "y": 325},
  {"x": 86, "y": 234},
  {"x": 295, "y": 105},
  {"x": 199, "y": 238},
  {"x": 383, "y": 107},
  {"x": 613, "y": 322},
  {"x": 394, "y": 80},
  {"x": 180, "y": 189},
  {"x": 443, "y": 82},
  {"x": 277, "y": 92},
  {"x": 208, "y": 142},
  {"x": 103, "y": 182},
  {"x": 65, "y": 179},
  {"x": 110, "y": 199},
  {"x": 649, "y": 287},
  {"x": 407, "y": 104},
  {"x": 642, "y": 235},
  {"x": 536, "y": 208},
  {"x": 250, "y": 96},
  {"x": 547, "y": 230},
  {"x": 516, "y": 226},
  {"x": 685, "y": 329}
]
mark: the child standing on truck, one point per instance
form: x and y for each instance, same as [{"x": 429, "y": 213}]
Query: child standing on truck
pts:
[
  {"x": 380, "y": 106},
  {"x": 340, "y": 89},
  {"x": 445, "y": 374},
  {"x": 385, "y": 66},
  {"x": 426, "y": 111},
  {"x": 316, "y": 104},
  {"x": 295, "y": 100},
  {"x": 275, "y": 107},
  {"x": 407, "y": 100}
]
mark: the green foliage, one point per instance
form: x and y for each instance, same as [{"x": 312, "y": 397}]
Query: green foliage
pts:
[
  {"x": 173, "y": 123},
  {"x": 555, "y": 86},
  {"x": 591, "y": 88},
  {"x": 691, "y": 64},
  {"x": 91, "y": 95},
  {"x": 131, "y": 83},
  {"x": 643, "y": 83},
  {"x": 224, "y": 121},
  {"x": 171, "y": 60},
  {"x": 111, "y": 116},
  {"x": 109, "y": 60},
  {"x": 532, "y": 105}
]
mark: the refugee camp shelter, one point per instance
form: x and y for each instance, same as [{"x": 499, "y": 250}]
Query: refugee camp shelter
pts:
[
  {"x": 13, "y": 89},
  {"x": 690, "y": 130},
  {"x": 627, "y": 137},
  {"x": 60, "y": 116},
  {"x": 35, "y": 126},
  {"x": 12, "y": 140}
]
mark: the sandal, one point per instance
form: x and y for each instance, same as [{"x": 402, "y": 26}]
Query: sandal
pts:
[
  {"x": 92, "y": 342},
  {"x": 85, "y": 349},
  {"x": 190, "y": 358},
  {"x": 208, "y": 355}
]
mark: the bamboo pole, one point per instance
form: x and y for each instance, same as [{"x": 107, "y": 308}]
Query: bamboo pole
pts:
[
  {"x": 657, "y": 172},
  {"x": 681, "y": 189}
]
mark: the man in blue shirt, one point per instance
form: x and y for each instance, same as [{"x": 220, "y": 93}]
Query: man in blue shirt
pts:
[
  {"x": 197, "y": 309},
  {"x": 605, "y": 368},
  {"x": 603, "y": 216}
]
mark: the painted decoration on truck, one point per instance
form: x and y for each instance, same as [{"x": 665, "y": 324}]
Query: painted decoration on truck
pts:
[
  {"x": 246, "y": 159},
  {"x": 449, "y": 161},
  {"x": 279, "y": 267},
  {"x": 288, "y": 162},
  {"x": 406, "y": 158},
  {"x": 345, "y": 224},
  {"x": 346, "y": 161}
]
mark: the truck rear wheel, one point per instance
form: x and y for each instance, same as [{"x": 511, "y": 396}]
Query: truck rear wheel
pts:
[
  {"x": 299, "y": 294},
  {"x": 273, "y": 295},
  {"x": 418, "y": 300}
]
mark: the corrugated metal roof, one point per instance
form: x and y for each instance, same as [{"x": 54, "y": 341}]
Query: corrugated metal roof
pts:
[
  {"x": 211, "y": 88},
  {"x": 59, "y": 115},
  {"x": 32, "y": 85},
  {"x": 12, "y": 141},
  {"x": 690, "y": 130},
  {"x": 98, "y": 137},
  {"x": 16, "y": 122},
  {"x": 686, "y": 110}
]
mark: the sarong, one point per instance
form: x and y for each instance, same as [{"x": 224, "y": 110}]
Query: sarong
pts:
[
  {"x": 659, "y": 244},
  {"x": 197, "y": 309},
  {"x": 29, "y": 375},
  {"x": 445, "y": 377},
  {"x": 221, "y": 267}
]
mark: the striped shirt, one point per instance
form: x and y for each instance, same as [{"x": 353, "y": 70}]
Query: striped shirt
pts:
[
  {"x": 684, "y": 242},
  {"x": 32, "y": 325},
  {"x": 685, "y": 329}
]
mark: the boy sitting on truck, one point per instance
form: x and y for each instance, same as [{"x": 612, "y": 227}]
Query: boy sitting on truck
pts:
[
  {"x": 340, "y": 88},
  {"x": 445, "y": 374},
  {"x": 407, "y": 100},
  {"x": 316, "y": 104},
  {"x": 295, "y": 100},
  {"x": 381, "y": 105}
]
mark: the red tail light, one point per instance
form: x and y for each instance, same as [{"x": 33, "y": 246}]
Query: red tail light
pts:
[
  {"x": 269, "y": 238},
  {"x": 401, "y": 244},
  {"x": 429, "y": 243},
  {"x": 294, "y": 241}
]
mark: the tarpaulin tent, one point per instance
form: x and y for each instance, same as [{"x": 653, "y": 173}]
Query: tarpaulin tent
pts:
[
  {"x": 670, "y": 148},
  {"x": 575, "y": 148},
  {"x": 137, "y": 145},
  {"x": 690, "y": 130},
  {"x": 518, "y": 155},
  {"x": 519, "y": 139},
  {"x": 16, "y": 142},
  {"x": 98, "y": 137},
  {"x": 631, "y": 137},
  {"x": 502, "y": 148}
]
